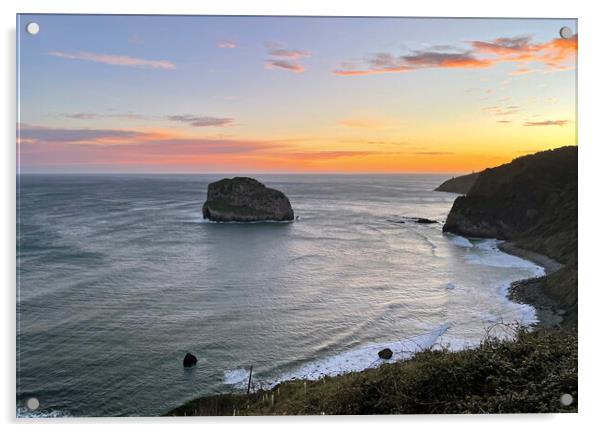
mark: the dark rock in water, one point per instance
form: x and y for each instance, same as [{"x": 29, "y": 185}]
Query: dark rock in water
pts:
[
  {"x": 243, "y": 199},
  {"x": 385, "y": 354},
  {"x": 413, "y": 219},
  {"x": 424, "y": 221},
  {"x": 189, "y": 360},
  {"x": 460, "y": 185}
]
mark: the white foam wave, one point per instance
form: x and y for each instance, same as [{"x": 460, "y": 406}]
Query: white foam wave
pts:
[
  {"x": 527, "y": 313},
  {"x": 459, "y": 240},
  {"x": 354, "y": 360},
  {"x": 236, "y": 377},
  {"x": 486, "y": 252},
  {"x": 366, "y": 357},
  {"x": 199, "y": 220},
  {"x": 27, "y": 413}
]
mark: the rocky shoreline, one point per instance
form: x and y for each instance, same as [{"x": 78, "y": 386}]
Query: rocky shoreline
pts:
[{"x": 550, "y": 313}]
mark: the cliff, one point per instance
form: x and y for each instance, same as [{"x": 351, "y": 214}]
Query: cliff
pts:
[{"x": 460, "y": 185}]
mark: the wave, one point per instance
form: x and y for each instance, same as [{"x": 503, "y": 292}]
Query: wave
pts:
[
  {"x": 198, "y": 220},
  {"x": 236, "y": 377},
  {"x": 27, "y": 413},
  {"x": 486, "y": 252},
  {"x": 459, "y": 240},
  {"x": 354, "y": 360}
]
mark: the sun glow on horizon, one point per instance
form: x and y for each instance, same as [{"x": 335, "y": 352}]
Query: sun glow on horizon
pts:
[{"x": 473, "y": 94}]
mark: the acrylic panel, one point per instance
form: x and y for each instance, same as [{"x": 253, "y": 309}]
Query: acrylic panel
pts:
[{"x": 260, "y": 215}]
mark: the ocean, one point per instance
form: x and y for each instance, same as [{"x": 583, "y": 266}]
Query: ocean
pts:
[{"x": 119, "y": 277}]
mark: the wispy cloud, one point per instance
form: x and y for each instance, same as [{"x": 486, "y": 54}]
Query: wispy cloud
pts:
[
  {"x": 386, "y": 62},
  {"x": 547, "y": 123},
  {"x": 84, "y": 115},
  {"x": 480, "y": 54},
  {"x": 116, "y": 60},
  {"x": 192, "y": 120},
  {"x": 499, "y": 110},
  {"x": 226, "y": 44},
  {"x": 40, "y": 145},
  {"x": 293, "y": 66},
  {"x": 46, "y": 134},
  {"x": 522, "y": 71},
  {"x": 294, "y": 54},
  {"x": 286, "y": 59},
  {"x": 202, "y": 121},
  {"x": 505, "y": 45}
]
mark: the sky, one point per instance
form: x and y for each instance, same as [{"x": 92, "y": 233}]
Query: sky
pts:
[{"x": 194, "y": 94}]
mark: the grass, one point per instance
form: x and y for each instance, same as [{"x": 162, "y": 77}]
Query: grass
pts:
[{"x": 527, "y": 375}]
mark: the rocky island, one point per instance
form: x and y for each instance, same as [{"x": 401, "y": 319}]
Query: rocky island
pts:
[{"x": 244, "y": 199}]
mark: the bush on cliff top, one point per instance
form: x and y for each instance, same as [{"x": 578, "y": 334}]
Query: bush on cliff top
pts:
[{"x": 526, "y": 375}]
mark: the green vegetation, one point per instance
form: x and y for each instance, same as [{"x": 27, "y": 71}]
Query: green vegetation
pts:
[{"x": 526, "y": 375}]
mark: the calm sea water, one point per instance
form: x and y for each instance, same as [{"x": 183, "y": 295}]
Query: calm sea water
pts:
[{"x": 119, "y": 277}]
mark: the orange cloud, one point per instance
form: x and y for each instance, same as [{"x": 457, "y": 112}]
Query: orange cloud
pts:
[
  {"x": 290, "y": 65},
  {"x": 522, "y": 71},
  {"x": 116, "y": 60},
  {"x": 286, "y": 59},
  {"x": 482, "y": 54},
  {"x": 552, "y": 53}
]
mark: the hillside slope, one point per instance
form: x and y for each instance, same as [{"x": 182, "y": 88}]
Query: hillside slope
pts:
[{"x": 523, "y": 376}]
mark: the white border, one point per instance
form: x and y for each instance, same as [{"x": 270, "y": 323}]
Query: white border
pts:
[{"x": 590, "y": 115}]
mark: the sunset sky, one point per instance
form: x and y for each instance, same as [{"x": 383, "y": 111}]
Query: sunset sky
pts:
[{"x": 267, "y": 94}]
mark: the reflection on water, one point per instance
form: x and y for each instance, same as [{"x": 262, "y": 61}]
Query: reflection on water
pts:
[{"x": 120, "y": 277}]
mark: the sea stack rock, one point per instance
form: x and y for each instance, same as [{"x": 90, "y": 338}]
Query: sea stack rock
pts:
[
  {"x": 385, "y": 354},
  {"x": 189, "y": 360},
  {"x": 244, "y": 199}
]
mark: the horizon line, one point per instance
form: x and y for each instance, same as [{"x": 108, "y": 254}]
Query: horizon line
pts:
[{"x": 246, "y": 174}]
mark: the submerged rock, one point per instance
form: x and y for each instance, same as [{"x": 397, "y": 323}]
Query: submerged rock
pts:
[
  {"x": 424, "y": 221},
  {"x": 244, "y": 199},
  {"x": 189, "y": 360},
  {"x": 385, "y": 354},
  {"x": 419, "y": 220}
]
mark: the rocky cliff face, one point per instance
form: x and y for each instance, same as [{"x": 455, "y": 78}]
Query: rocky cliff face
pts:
[
  {"x": 243, "y": 199},
  {"x": 460, "y": 184},
  {"x": 532, "y": 200}
]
